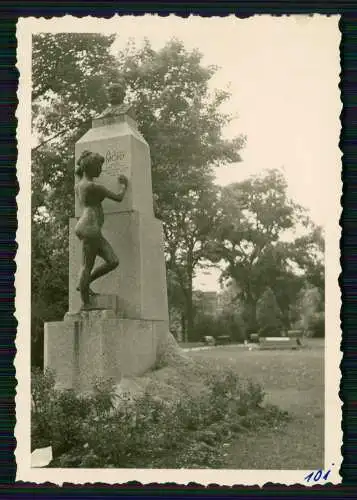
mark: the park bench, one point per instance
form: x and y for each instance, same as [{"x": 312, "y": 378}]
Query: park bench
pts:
[
  {"x": 279, "y": 343},
  {"x": 297, "y": 334},
  {"x": 222, "y": 339},
  {"x": 254, "y": 337},
  {"x": 209, "y": 340}
]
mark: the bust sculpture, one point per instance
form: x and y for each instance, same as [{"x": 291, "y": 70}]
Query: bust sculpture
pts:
[
  {"x": 116, "y": 106},
  {"x": 89, "y": 226}
]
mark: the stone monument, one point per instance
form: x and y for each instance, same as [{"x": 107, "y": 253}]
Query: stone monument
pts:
[{"x": 120, "y": 334}]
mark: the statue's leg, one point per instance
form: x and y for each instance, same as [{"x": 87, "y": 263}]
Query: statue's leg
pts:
[
  {"x": 91, "y": 292},
  {"x": 89, "y": 253},
  {"x": 111, "y": 261}
]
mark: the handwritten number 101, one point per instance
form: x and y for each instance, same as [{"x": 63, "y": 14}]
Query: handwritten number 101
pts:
[{"x": 316, "y": 476}]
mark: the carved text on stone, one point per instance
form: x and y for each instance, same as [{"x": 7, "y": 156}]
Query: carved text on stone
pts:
[{"x": 116, "y": 162}]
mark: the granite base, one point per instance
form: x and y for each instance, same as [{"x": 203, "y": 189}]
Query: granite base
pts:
[{"x": 97, "y": 344}]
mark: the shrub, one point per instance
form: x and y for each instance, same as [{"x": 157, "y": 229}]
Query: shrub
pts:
[
  {"x": 145, "y": 430},
  {"x": 205, "y": 325},
  {"x": 309, "y": 305},
  {"x": 59, "y": 417},
  {"x": 230, "y": 396},
  {"x": 317, "y": 325},
  {"x": 233, "y": 324},
  {"x": 268, "y": 314},
  {"x": 226, "y": 324}
]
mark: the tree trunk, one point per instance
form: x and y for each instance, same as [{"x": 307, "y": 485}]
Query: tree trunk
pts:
[
  {"x": 188, "y": 294},
  {"x": 189, "y": 310},
  {"x": 184, "y": 328},
  {"x": 251, "y": 315}
]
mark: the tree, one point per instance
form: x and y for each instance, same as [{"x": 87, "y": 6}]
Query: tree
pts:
[
  {"x": 252, "y": 243},
  {"x": 183, "y": 124},
  {"x": 70, "y": 72},
  {"x": 231, "y": 311},
  {"x": 49, "y": 279},
  {"x": 176, "y": 113},
  {"x": 308, "y": 252},
  {"x": 188, "y": 229}
]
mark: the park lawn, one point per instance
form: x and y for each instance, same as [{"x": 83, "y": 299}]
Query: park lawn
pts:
[{"x": 293, "y": 380}]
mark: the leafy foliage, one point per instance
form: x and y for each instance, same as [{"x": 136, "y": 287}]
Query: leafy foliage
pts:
[
  {"x": 188, "y": 231},
  {"x": 243, "y": 225},
  {"x": 251, "y": 242},
  {"x": 177, "y": 114},
  {"x": 310, "y": 311},
  {"x": 69, "y": 75},
  {"x": 228, "y": 323},
  {"x": 145, "y": 431},
  {"x": 183, "y": 124},
  {"x": 58, "y": 416}
]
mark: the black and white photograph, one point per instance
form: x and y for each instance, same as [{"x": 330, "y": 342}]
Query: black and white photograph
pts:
[{"x": 178, "y": 250}]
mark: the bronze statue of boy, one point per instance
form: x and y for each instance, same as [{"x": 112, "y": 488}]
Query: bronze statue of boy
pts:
[{"x": 89, "y": 227}]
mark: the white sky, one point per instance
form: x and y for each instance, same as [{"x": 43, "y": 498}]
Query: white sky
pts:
[{"x": 283, "y": 74}]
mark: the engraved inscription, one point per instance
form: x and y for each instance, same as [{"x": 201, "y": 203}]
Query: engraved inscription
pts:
[
  {"x": 116, "y": 162},
  {"x": 107, "y": 121},
  {"x": 114, "y": 156}
]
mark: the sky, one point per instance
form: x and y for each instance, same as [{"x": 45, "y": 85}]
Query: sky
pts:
[{"x": 283, "y": 74}]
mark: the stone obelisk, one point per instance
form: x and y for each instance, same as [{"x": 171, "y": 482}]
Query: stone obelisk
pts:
[{"x": 121, "y": 336}]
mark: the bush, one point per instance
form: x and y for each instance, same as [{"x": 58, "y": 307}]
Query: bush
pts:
[
  {"x": 234, "y": 325},
  {"x": 226, "y": 324},
  {"x": 269, "y": 314},
  {"x": 317, "y": 325},
  {"x": 141, "y": 431},
  {"x": 205, "y": 325},
  {"x": 308, "y": 306},
  {"x": 58, "y": 417}
]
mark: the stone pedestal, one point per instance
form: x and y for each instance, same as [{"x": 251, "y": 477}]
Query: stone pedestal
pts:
[
  {"x": 140, "y": 279},
  {"x": 98, "y": 345},
  {"x": 125, "y": 151}
]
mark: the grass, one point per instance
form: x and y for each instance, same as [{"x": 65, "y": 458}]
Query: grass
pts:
[
  {"x": 293, "y": 380},
  {"x": 219, "y": 423}
]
